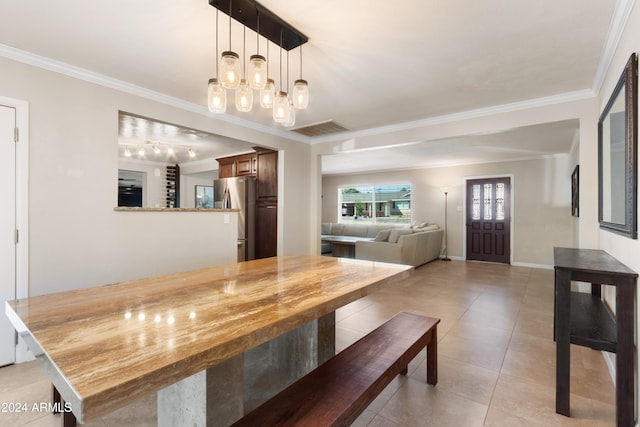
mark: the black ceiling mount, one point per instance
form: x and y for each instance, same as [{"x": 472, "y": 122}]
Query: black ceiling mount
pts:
[{"x": 271, "y": 26}]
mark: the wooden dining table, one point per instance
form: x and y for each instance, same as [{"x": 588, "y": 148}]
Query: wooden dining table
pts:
[{"x": 199, "y": 339}]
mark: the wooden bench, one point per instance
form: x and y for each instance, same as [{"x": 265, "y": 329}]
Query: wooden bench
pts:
[{"x": 339, "y": 390}]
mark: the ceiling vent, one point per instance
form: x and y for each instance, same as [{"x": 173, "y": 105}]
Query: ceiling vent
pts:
[{"x": 319, "y": 129}]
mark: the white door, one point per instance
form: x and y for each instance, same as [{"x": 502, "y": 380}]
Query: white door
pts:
[{"x": 7, "y": 230}]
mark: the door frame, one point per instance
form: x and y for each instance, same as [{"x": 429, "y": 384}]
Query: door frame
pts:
[
  {"x": 22, "y": 209},
  {"x": 511, "y": 206}
]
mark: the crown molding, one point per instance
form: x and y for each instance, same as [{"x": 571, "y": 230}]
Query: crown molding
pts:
[
  {"x": 465, "y": 115},
  {"x": 122, "y": 86},
  {"x": 616, "y": 29}
]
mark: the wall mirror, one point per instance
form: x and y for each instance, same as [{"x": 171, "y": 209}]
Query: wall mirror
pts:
[{"x": 617, "y": 156}]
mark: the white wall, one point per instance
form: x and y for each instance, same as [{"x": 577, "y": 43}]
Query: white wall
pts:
[
  {"x": 76, "y": 239},
  {"x": 624, "y": 249}
]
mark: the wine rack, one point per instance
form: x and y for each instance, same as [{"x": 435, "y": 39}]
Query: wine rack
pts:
[{"x": 173, "y": 186}]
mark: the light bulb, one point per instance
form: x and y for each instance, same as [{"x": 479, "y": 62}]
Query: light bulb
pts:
[
  {"x": 155, "y": 149},
  {"x": 281, "y": 107},
  {"x": 300, "y": 94},
  {"x": 267, "y": 94},
  {"x": 127, "y": 152},
  {"x": 141, "y": 152},
  {"x": 244, "y": 97},
  {"x": 216, "y": 97},
  {"x": 230, "y": 70},
  {"x": 170, "y": 151},
  {"x": 192, "y": 154},
  {"x": 257, "y": 72}
]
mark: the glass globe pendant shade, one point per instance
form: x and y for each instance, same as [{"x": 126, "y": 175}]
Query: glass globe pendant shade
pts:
[
  {"x": 291, "y": 118},
  {"x": 216, "y": 97},
  {"x": 281, "y": 107},
  {"x": 300, "y": 94},
  {"x": 230, "y": 70},
  {"x": 244, "y": 97},
  {"x": 267, "y": 94},
  {"x": 257, "y": 72}
]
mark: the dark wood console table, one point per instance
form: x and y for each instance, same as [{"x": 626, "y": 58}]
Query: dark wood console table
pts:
[{"x": 582, "y": 319}]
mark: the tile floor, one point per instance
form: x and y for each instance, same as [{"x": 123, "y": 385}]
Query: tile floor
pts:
[{"x": 496, "y": 357}]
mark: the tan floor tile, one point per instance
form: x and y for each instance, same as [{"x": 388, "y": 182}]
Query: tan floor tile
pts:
[
  {"x": 473, "y": 351},
  {"x": 465, "y": 380},
  {"x": 419, "y": 404}
]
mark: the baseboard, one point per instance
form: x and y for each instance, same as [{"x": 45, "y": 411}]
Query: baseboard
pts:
[
  {"x": 610, "y": 361},
  {"x": 531, "y": 265}
]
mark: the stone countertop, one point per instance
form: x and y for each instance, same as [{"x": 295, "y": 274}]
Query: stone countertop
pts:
[{"x": 105, "y": 346}]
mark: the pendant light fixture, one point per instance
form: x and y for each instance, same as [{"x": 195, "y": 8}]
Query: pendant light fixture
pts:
[
  {"x": 300, "y": 92},
  {"x": 268, "y": 92},
  {"x": 244, "y": 94},
  {"x": 257, "y": 64},
  {"x": 216, "y": 95},
  {"x": 253, "y": 72},
  {"x": 230, "y": 64}
]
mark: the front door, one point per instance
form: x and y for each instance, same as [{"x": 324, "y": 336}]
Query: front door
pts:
[
  {"x": 7, "y": 230},
  {"x": 489, "y": 219}
]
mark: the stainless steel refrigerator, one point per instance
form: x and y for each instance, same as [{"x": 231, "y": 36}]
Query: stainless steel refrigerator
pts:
[{"x": 239, "y": 193}]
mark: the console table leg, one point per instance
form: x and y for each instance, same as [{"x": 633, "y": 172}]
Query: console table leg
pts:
[
  {"x": 563, "y": 330},
  {"x": 625, "y": 299}
]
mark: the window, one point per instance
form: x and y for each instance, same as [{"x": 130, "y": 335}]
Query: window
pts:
[{"x": 375, "y": 204}]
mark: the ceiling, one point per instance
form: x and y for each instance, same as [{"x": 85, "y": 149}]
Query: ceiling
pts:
[{"x": 369, "y": 63}]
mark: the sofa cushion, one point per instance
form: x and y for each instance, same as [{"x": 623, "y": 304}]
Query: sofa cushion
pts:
[
  {"x": 357, "y": 230},
  {"x": 337, "y": 229},
  {"x": 326, "y": 228},
  {"x": 395, "y": 234},
  {"x": 382, "y": 236}
]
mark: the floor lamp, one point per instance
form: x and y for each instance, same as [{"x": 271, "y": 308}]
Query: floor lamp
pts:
[{"x": 445, "y": 190}]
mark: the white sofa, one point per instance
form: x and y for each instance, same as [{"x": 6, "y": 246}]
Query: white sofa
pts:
[{"x": 396, "y": 244}]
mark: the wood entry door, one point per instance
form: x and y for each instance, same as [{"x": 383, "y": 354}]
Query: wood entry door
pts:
[{"x": 489, "y": 220}]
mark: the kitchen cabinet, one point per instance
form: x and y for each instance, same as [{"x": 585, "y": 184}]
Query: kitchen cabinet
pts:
[
  {"x": 266, "y": 203},
  {"x": 241, "y": 165}
]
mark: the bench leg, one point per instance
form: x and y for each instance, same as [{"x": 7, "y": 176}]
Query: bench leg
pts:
[
  {"x": 68, "y": 419},
  {"x": 56, "y": 399},
  {"x": 432, "y": 358},
  {"x": 405, "y": 370}
]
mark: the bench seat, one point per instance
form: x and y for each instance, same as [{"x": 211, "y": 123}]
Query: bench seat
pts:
[{"x": 339, "y": 390}]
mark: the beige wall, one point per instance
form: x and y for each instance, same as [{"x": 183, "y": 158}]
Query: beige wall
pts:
[
  {"x": 541, "y": 202},
  {"x": 76, "y": 239}
]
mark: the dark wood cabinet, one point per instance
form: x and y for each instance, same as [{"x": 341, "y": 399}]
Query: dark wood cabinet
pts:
[
  {"x": 267, "y": 185},
  {"x": 266, "y": 230},
  {"x": 226, "y": 167},
  {"x": 241, "y": 165},
  {"x": 266, "y": 203}
]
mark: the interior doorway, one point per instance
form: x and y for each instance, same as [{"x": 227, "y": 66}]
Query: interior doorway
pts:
[
  {"x": 488, "y": 219},
  {"x": 7, "y": 229}
]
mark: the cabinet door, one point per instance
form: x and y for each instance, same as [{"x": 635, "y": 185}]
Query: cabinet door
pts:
[
  {"x": 226, "y": 168},
  {"x": 266, "y": 230},
  {"x": 244, "y": 165},
  {"x": 267, "y": 185}
]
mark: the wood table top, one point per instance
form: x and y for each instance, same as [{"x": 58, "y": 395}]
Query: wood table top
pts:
[
  {"x": 107, "y": 345},
  {"x": 589, "y": 260}
]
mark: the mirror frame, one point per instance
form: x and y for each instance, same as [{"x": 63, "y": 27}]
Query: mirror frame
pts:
[{"x": 628, "y": 80}]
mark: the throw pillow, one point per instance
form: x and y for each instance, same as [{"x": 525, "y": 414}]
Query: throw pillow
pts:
[
  {"x": 382, "y": 236},
  {"x": 395, "y": 234},
  {"x": 431, "y": 227}
]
